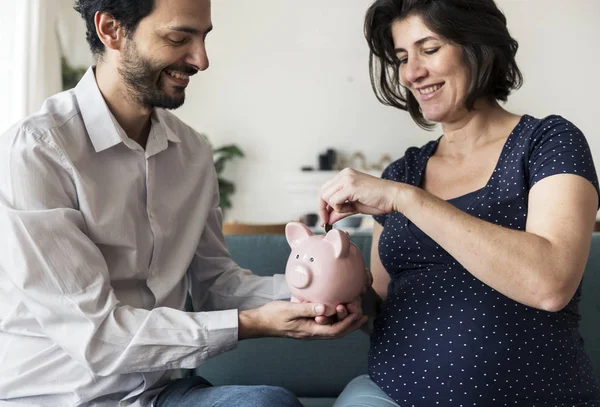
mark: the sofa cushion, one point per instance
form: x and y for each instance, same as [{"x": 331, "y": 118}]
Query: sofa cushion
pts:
[{"x": 589, "y": 306}]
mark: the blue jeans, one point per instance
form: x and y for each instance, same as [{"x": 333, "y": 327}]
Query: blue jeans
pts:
[{"x": 197, "y": 392}]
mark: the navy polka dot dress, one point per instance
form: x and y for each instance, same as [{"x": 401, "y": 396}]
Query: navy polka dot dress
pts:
[{"x": 443, "y": 338}]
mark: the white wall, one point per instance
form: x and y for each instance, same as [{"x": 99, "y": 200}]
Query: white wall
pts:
[{"x": 289, "y": 79}]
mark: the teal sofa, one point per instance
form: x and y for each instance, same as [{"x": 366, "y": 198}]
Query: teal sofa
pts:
[{"x": 317, "y": 371}]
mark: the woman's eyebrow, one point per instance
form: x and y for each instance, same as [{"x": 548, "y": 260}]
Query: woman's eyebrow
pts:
[{"x": 418, "y": 42}]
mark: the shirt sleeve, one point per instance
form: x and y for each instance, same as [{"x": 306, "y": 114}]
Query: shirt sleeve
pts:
[
  {"x": 57, "y": 272},
  {"x": 217, "y": 282},
  {"x": 559, "y": 147}
]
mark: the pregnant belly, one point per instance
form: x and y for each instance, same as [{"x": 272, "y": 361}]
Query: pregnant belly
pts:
[{"x": 446, "y": 335}]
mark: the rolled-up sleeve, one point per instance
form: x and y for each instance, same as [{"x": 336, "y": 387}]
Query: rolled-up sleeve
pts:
[{"x": 62, "y": 278}]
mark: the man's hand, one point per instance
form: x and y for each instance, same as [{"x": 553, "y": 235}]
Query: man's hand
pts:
[{"x": 297, "y": 320}]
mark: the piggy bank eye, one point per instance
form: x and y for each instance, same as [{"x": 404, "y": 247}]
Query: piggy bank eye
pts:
[
  {"x": 312, "y": 259},
  {"x": 297, "y": 256}
]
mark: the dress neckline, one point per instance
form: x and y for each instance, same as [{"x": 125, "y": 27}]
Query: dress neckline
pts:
[{"x": 433, "y": 147}]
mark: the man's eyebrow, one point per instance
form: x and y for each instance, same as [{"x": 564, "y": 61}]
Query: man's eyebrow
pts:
[
  {"x": 419, "y": 42},
  {"x": 190, "y": 30}
]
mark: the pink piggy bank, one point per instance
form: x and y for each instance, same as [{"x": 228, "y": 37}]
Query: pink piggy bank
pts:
[{"x": 327, "y": 269}]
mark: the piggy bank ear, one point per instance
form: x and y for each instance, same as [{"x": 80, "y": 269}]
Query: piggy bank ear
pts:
[
  {"x": 295, "y": 232},
  {"x": 340, "y": 242}
]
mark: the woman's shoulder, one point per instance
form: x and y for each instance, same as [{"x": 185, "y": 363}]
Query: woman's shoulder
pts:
[
  {"x": 536, "y": 135},
  {"x": 552, "y": 125},
  {"x": 550, "y": 119},
  {"x": 554, "y": 145},
  {"x": 410, "y": 162}
]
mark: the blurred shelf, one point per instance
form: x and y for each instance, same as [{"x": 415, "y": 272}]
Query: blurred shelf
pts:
[{"x": 306, "y": 181}]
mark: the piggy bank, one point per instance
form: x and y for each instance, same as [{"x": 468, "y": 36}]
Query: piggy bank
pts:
[{"x": 327, "y": 269}]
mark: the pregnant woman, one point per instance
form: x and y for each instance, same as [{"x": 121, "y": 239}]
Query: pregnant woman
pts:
[{"x": 482, "y": 235}]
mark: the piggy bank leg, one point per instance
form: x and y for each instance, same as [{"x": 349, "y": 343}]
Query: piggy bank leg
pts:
[{"x": 294, "y": 299}]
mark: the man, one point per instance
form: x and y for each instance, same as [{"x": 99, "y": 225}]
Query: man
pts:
[{"x": 109, "y": 217}]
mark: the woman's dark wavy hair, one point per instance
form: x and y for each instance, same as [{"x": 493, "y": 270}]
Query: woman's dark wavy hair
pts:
[
  {"x": 128, "y": 12},
  {"x": 477, "y": 26}
]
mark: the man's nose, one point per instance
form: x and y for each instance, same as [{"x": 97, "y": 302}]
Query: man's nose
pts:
[{"x": 198, "y": 56}]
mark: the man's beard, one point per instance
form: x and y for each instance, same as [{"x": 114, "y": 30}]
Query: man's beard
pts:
[{"x": 144, "y": 80}]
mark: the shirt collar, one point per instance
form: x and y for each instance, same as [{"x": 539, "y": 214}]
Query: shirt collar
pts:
[
  {"x": 96, "y": 116},
  {"x": 158, "y": 118},
  {"x": 103, "y": 129}
]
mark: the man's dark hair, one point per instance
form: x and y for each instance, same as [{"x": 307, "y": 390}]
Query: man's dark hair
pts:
[
  {"x": 477, "y": 26},
  {"x": 128, "y": 12}
]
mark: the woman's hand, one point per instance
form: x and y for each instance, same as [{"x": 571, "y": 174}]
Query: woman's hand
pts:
[
  {"x": 351, "y": 192},
  {"x": 342, "y": 311},
  {"x": 295, "y": 320},
  {"x": 354, "y": 307}
]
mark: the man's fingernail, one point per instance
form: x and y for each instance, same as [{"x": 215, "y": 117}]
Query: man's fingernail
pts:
[{"x": 319, "y": 309}]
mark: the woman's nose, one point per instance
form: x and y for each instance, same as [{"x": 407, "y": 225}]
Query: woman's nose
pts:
[{"x": 413, "y": 71}]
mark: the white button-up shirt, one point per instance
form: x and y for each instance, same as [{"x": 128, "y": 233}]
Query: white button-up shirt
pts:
[{"x": 101, "y": 241}]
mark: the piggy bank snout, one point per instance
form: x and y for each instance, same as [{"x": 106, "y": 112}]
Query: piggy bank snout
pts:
[{"x": 300, "y": 276}]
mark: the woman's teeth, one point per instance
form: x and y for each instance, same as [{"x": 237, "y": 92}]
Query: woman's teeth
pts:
[
  {"x": 431, "y": 89},
  {"x": 177, "y": 75}
]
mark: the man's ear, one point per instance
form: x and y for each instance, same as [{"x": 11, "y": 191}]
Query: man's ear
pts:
[{"x": 109, "y": 30}]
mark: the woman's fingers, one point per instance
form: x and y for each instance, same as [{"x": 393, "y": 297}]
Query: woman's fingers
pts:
[
  {"x": 324, "y": 210},
  {"x": 322, "y": 320},
  {"x": 341, "y": 328},
  {"x": 341, "y": 312}
]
